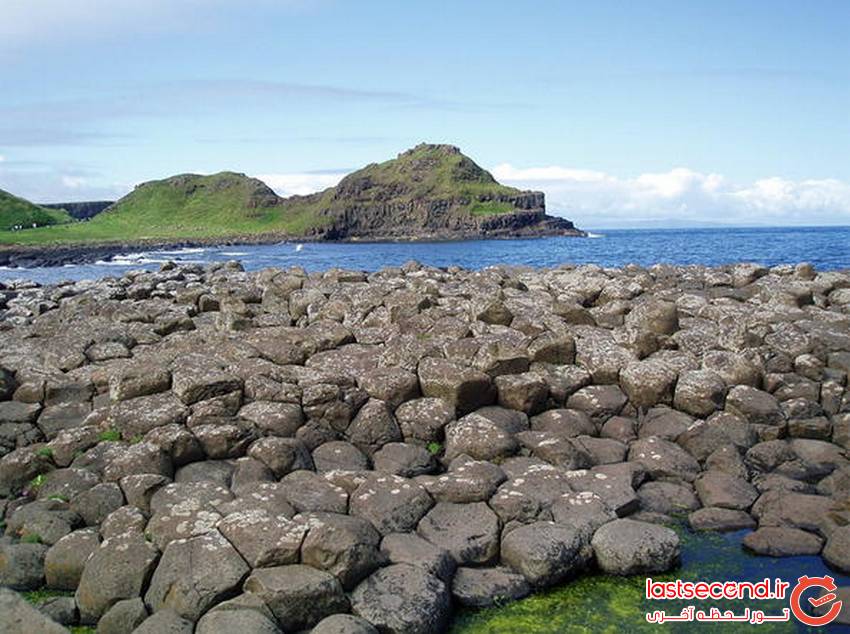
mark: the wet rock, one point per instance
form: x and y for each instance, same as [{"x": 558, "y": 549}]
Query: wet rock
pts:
[
  {"x": 543, "y": 552},
  {"x": 299, "y": 596},
  {"x": 485, "y": 587},
  {"x": 403, "y": 599},
  {"x": 726, "y": 491},
  {"x": 469, "y": 532},
  {"x": 714, "y": 518},
  {"x": 626, "y": 547},
  {"x": 777, "y": 541}
]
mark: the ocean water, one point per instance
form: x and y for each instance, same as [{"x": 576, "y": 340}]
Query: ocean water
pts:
[{"x": 827, "y": 248}]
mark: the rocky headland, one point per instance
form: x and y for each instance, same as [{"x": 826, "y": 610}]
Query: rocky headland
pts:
[
  {"x": 429, "y": 192},
  {"x": 206, "y": 449}
]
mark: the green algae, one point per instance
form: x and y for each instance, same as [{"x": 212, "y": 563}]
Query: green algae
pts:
[{"x": 609, "y": 604}]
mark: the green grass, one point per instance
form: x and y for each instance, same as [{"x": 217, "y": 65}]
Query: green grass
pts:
[
  {"x": 45, "y": 452},
  {"x": 43, "y": 594},
  {"x": 109, "y": 435},
  {"x": 17, "y": 211},
  {"x": 37, "y": 481},
  {"x": 31, "y": 538},
  {"x": 434, "y": 448},
  {"x": 183, "y": 207}
]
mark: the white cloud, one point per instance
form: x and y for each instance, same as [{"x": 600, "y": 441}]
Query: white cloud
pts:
[
  {"x": 595, "y": 198},
  {"x": 74, "y": 182},
  {"x": 2, "y": 158},
  {"x": 301, "y": 183}
]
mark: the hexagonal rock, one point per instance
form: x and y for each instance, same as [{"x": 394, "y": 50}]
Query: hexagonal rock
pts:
[
  {"x": 137, "y": 416},
  {"x": 466, "y": 481},
  {"x": 648, "y": 382},
  {"x": 662, "y": 458},
  {"x": 567, "y": 423},
  {"x": 410, "y": 548},
  {"x": 373, "y": 427},
  {"x": 480, "y": 438},
  {"x": 669, "y": 498},
  {"x": 628, "y": 547},
  {"x": 392, "y": 504},
  {"x": 658, "y": 317},
  {"x": 344, "y": 624},
  {"x": 551, "y": 347},
  {"x": 274, "y": 419},
  {"x": 96, "y": 503},
  {"x": 403, "y": 599},
  {"x": 423, "y": 419},
  {"x": 614, "y": 486},
  {"x": 485, "y": 587},
  {"x": 118, "y": 569},
  {"x": 584, "y": 512},
  {"x": 543, "y": 552},
  {"x": 526, "y": 392},
  {"x": 733, "y": 368},
  {"x": 726, "y": 491},
  {"x": 299, "y": 596},
  {"x": 124, "y": 616},
  {"x": 49, "y": 519},
  {"x": 18, "y": 616},
  {"x": 600, "y": 402},
  {"x": 195, "y": 574},
  {"x": 345, "y": 546},
  {"x": 308, "y": 491},
  {"x": 404, "y": 460},
  {"x": 165, "y": 622},
  {"x": 66, "y": 559},
  {"x": 714, "y": 518},
  {"x": 264, "y": 539},
  {"x": 797, "y": 510},
  {"x": 779, "y": 541},
  {"x": 20, "y": 466},
  {"x": 245, "y": 621},
  {"x": 135, "y": 380},
  {"x": 281, "y": 455},
  {"x": 565, "y": 453},
  {"x": 470, "y": 532},
  {"x": 462, "y": 387},
  {"x": 394, "y": 386},
  {"x": 755, "y": 406},
  {"x": 699, "y": 392},
  {"x": 338, "y": 455},
  {"x": 143, "y": 457},
  {"x": 22, "y": 565},
  {"x": 196, "y": 378}
]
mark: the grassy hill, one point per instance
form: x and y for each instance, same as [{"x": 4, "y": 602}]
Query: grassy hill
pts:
[
  {"x": 429, "y": 190},
  {"x": 17, "y": 212}
]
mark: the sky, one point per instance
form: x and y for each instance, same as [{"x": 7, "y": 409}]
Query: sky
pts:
[{"x": 624, "y": 113}]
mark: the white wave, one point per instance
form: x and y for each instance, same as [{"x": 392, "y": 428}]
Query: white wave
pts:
[
  {"x": 234, "y": 253},
  {"x": 299, "y": 247},
  {"x": 590, "y": 234},
  {"x": 184, "y": 251}
]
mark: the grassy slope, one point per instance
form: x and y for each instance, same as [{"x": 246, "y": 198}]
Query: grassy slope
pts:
[
  {"x": 182, "y": 207},
  {"x": 220, "y": 205},
  {"x": 17, "y": 211}
]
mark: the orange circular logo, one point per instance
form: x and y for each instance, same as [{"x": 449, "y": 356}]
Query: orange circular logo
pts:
[{"x": 803, "y": 584}]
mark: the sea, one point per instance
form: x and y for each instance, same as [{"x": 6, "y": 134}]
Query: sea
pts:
[{"x": 828, "y": 248}]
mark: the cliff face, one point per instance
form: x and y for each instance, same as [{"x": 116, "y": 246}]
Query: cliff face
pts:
[
  {"x": 82, "y": 210},
  {"x": 428, "y": 192}
]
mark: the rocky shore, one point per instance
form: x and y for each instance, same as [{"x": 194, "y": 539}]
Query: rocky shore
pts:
[{"x": 202, "y": 449}]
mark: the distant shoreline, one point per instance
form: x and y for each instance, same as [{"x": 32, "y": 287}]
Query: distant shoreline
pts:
[{"x": 26, "y": 256}]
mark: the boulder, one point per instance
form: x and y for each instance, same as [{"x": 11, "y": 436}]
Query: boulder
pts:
[
  {"x": 19, "y": 617},
  {"x": 298, "y": 596},
  {"x": 628, "y": 547},
  {"x": 469, "y": 532},
  {"x": 486, "y": 587},
  {"x": 461, "y": 387},
  {"x": 544, "y": 553},
  {"x": 403, "y": 599}
]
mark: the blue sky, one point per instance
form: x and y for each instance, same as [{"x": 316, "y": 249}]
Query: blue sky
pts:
[{"x": 729, "y": 112}]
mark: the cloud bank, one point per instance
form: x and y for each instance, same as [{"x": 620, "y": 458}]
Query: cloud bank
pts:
[{"x": 682, "y": 195}]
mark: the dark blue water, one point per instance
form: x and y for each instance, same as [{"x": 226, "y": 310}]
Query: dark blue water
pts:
[{"x": 826, "y": 247}]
